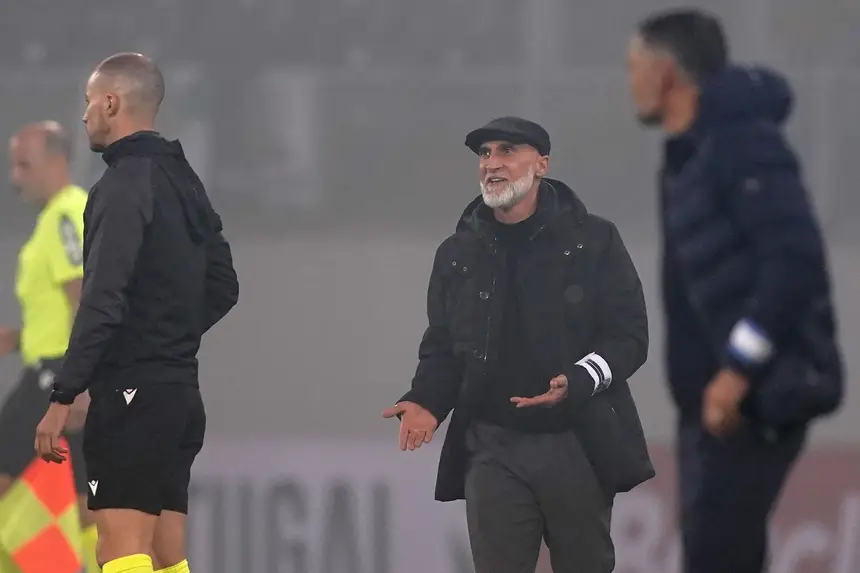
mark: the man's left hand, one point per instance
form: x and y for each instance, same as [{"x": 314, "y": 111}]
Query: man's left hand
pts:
[
  {"x": 722, "y": 400},
  {"x": 557, "y": 392},
  {"x": 48, "y": 433}
]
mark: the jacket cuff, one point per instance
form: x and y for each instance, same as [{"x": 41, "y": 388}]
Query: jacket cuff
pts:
[
  {"x": 749, "y": 348},
  {"x": 62, "y": 397},
  {"x": 416, "y": 398},
  {"x": 580, "y": 385}
]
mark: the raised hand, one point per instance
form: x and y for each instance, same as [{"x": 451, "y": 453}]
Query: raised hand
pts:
[{"x": 556, "y": 393}]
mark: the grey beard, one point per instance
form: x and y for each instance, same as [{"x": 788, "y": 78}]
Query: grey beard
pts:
[{"x": 512, "y": 194}]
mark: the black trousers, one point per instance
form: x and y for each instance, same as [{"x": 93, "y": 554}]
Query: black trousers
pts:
[
  {"x": 524, "y": 488},
  {"x": 728, "y": 488}
]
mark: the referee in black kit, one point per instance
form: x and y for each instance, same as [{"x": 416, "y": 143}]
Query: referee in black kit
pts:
[{"x": 158, "y": 274}]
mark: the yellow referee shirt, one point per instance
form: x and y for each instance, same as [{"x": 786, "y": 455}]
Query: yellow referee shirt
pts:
[{"x": 51, "y": 257}]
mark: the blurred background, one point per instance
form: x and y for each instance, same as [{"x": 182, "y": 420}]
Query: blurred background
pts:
[{"x": 330, "y": 134}]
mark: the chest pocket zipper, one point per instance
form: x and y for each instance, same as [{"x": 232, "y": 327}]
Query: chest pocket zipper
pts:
[
  {"x": 489, "y": 324},
  {"x": 573, "y": 282}
]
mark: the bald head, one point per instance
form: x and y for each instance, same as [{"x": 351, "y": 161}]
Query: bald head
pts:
[
  {"x": 135, "y": 78},
  {"x": 123, "y": 96},
  {"x": 51, "y": 136},
  {"x": 39, "y": 160}
]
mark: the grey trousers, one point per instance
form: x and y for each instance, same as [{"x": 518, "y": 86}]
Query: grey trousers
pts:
[{"x": 522, "y": 488}]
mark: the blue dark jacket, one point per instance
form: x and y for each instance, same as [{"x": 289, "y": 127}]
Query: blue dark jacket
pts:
[{"x": 744, "y": 261}]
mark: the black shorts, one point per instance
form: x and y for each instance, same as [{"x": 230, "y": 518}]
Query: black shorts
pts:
[
  {"x": 21, "y": 412},
  {"x": 139, "y": 445}
]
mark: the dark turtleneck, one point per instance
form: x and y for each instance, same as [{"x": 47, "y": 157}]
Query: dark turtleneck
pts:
[{"x": 517, "y": 372}]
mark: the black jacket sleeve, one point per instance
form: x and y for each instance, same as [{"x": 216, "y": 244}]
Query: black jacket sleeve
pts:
[
  {"x": 222, "y": 284},
  {"x": 121, "y": 209},
  {"x": 770, "y": 205},
  {"x": 439, "y": 374},
  {"x": 621, "y": 340}
]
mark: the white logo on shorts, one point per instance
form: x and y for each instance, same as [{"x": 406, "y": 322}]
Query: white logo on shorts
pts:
[
  {"x": 129, "y": 395},
  {"x": 94, "y": 486}
]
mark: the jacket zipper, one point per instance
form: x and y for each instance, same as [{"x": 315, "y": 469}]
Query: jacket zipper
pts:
[
  {"x": 536, "y": 233},
  {"x": 492, "y": 249},
  {"x": 489, "y": 322},
  {"x": 493, "y": 292}
]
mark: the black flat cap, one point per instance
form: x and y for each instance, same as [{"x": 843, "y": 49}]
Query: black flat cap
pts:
[{"x": 513, "y": 130}]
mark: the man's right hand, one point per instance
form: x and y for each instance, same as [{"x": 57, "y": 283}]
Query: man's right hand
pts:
[
  {"x": 8, "y": 341},
  {"x": 417, "y": 424}
]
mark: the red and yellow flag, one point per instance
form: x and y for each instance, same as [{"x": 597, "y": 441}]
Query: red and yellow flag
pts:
[{"x": 40, "y": 530}]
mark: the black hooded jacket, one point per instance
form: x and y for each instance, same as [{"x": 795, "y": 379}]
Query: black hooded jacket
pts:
[
  {"x": 158, "y": 272},
  {"x": 579, "y": 297}
]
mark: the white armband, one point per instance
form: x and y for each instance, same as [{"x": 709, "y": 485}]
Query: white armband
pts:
[
  {"x": 599, "y": 370},
  {"x": 749, "y": 343}
]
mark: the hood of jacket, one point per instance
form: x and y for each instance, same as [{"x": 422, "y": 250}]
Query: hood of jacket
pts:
[{"x": 744, "y": 94}]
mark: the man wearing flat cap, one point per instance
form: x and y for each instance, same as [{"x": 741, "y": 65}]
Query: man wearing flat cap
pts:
[{"x": 536, "y": 321}]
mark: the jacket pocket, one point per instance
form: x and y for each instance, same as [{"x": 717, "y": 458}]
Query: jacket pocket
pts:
[
  {"x": 463, "y": 297},
  {"x": 614, "y": 443}
]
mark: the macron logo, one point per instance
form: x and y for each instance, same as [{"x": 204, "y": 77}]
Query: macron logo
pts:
[
  {"x": 94, "y": 486},
  {"x": 129, "y": 395}
]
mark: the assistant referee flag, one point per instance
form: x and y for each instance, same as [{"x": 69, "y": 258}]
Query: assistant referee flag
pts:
[{"x": 40, "y": 529}]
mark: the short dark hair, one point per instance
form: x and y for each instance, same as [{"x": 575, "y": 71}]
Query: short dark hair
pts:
[
  {"x": 140, "y": 73},
  {"x": 693, "y": 37}
]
